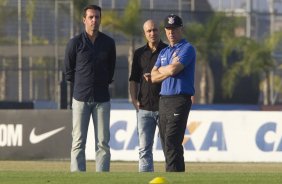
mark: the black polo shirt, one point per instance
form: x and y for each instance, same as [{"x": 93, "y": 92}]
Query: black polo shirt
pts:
[
  {"x": 143, "y": 62},
  {"x": 90, "y": 66}
]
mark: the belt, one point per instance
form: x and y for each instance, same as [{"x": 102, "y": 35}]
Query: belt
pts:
[{"x": 174, "y": 96}]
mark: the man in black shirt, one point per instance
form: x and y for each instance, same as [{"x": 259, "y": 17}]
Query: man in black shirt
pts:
[
  {"x": 89, "y": 63},
  {"x": 145, "y": 95}
]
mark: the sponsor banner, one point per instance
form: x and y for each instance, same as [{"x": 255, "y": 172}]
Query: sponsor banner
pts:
[
  {"x": 35, "y": 134},
  {"x": 211, "y": 136}
]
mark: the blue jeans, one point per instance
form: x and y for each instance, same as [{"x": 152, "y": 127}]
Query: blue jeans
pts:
[
  {"x": 81, "y": 114},
  {"x": 146, "y": 126}
]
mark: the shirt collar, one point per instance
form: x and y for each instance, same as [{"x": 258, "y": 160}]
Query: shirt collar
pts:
[
  {"x": 179, "y": 43},
  {"x": 158, "y": 47},
  {"x": 85, "y": 35}
]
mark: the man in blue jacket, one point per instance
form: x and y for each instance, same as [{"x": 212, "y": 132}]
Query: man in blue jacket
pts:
[{"x": 175, "y": 68}]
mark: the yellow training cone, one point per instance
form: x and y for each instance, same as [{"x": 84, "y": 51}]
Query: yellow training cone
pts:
[{"x": 158, "y": 180}]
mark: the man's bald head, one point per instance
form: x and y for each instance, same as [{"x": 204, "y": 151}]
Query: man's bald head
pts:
[
  {"x": 151, "y": 31},
  {"x": 149, "y": 22}
]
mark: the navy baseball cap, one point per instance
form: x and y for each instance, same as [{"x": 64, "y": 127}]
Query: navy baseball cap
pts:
[{"x": 173, "y": 21}]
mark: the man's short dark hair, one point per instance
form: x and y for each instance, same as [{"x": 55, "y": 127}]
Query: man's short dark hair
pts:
[{"x": 92, "y": 7}]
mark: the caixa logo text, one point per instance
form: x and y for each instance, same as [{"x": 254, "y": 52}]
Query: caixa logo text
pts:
[
  {"x": 268, "y": 139},
  {"x": 213, "y": 138},
  {"x": 11, "y": 135}
]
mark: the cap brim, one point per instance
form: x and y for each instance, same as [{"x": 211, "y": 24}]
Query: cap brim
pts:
[{"x": 172, "y": 26}]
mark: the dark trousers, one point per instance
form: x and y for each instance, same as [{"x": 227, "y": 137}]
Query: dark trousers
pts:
[{"x": 173, "y": 114}]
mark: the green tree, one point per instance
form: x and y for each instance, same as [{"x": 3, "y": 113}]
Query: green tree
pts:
[
  {"x": 208, "y": 39},
  {"x": 127, "y": 24},
  {"x": 30, "y": 9},
  {"x": 256, "y": 59},
  {"x": 78, "y": 6},
  {"x": 3, "y": 16},
  {"x": 6, "y": 14}
]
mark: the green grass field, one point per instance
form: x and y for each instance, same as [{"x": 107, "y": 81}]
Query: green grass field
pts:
[{"x": 57, "y": 172}]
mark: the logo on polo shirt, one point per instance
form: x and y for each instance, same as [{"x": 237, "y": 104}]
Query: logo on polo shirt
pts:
[{"x": 163, "y": 60}]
